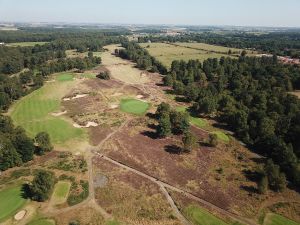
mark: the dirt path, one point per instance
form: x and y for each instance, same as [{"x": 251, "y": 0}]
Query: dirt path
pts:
[{"x": 171, "y": 187}]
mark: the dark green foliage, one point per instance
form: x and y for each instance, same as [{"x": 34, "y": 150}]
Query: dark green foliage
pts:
[
  {"x": 42, "y": 186},
  {"x": 164, "y": 125},
  {"x": 180, "y": 122},
  {"x": 263, "y": 185},
  {"x": 189, "y": 141},
  {"x": 162, "y": 108},
  {"x": 104, "y": 75},
  {"x": 8, "y": 154},
  {"x": 277, "y": 180},
  {"x": 75, "y": 198},
  {"x": 43, "y": 142}
]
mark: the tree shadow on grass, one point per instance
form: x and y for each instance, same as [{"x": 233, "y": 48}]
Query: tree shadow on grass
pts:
[
  {"x": 249, "y": 189},
  {"x": 25, "y": 191},
  {"x": 173, "y": 149},
  {"x": 252, "y": 175},
  {"x": 150, "y": 134}
]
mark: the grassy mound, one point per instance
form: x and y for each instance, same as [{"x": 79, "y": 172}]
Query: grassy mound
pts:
[
  {"x": 33, "y": 113},
  {"x": 11, "y": 201},
  {"x": 61, "y": 191},
  {"x": 275, "y": 219},
  {"x": 134, "y": 106},
  {"x": 201, "y": 217}
]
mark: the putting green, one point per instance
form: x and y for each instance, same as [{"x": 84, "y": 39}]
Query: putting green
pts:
[
  {"x": 11, "y": 201},
  {"x": 200, "y": 216},
  {"x": 134, "y": 106},
  {"x": 65, "y": 77},
  {"x": 42, "y": 222},
  {"x": 275, "y": 219},
  {"x": 33, "y": 112},
  {"x": 221, "y": 136},
  {"x": 61, "y": 192}
]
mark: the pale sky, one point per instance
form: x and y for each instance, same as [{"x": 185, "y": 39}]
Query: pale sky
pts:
[{"x": 285, "y": 13}]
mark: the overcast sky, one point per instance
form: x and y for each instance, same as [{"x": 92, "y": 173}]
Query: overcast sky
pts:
[{"x": 195, "y": 12}]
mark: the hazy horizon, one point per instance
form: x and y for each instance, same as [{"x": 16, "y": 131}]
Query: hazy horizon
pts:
[{"x": 254, "y": 13}]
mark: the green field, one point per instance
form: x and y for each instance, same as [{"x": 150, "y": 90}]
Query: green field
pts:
[
  {"x": 275, "y": 219},
  {"x": 42, "y": 222},
  {"x": 134, "y": 106},
  {"x": 167, "y": 53},
  {"x": 61, "y": 191},
  {"x": 25, "y": 44},
  {"x": 222, "y": 136},
  {"x": 33, "y": 112},
  {"x": 11, "y": 201},
  {"x": 199, "y": 216},
  {"x": 196, "y": 121}
]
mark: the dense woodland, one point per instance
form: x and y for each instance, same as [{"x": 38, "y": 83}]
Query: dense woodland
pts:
[
  {"x": 280, "y": 43},
  {"x": 250, "y": 96}
]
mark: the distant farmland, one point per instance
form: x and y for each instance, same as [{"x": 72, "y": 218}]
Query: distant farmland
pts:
[{"x": 168, "y": 52}]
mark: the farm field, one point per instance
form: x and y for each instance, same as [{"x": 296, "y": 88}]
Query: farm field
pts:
[
  {"x": 34, "y": 111},
  {"x": 25, "y": 44},
  {"x": 10, "y": 201},
  {"x": 167, "y": 53},
  {"x": 60, "y": 193}
]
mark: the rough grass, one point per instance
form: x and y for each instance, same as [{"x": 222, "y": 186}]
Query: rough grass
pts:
[
  {"x": 61, "y": 192},
  {"x": 11, "y": 201},
  {"x": 33, "y": 113},
  {"x": 42, "y": 222},
  {"x": 134, "y": 106},
  {"x": 167, "y": 53},
  {"x": 25, "y": 44},
  {"x": 275, "y": 219},
  {"x": 113, "y": 222},
  {"x": 222, "y": 136},
  {"x": 199, "y": 216}
]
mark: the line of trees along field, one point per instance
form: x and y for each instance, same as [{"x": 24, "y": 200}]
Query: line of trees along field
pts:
[
  {"x": 250, "y": 95},
  {"x": 280, "y": 43},
  {"x": 132, "y": 51}
]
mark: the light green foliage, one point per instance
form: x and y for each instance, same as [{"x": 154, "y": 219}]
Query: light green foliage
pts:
[
  {"x": 199, "y": 216},
  {"x": 134, "y": 106},
  {"x": 10, "y": 201}
]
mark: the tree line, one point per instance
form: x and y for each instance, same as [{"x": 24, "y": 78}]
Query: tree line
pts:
[
  {"x": 249, "y": 95},
  {"x": 132, "y": 51}
]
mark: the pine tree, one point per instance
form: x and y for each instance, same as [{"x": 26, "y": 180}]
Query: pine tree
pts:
[{"x": 164, "y": 125}]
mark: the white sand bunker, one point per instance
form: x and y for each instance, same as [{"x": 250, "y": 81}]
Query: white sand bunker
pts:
[
  {"x": 20, "y": 215},
  {"x": 75, "y": 97},
  {"x": 89, "y": 124},
  {"x": 114, "y": 106},
  {"x": 139, "y": 96},
  {"x": 50, "y": 81},
  {"x": 117, "y": 94},
  {"x": 59, "y": 113}
]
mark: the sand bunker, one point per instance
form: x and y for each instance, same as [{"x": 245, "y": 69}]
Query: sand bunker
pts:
[
  {"x": 20, "y": 215},
  {"x": 117, "y": 94},
  {"x": 50, "y": 81},
  {"x": 139, "y": 96},
  {"x": 89, "y": 124},
  {"x": 59, "y": 113},
  {"x": 75, "y": 97},
  {"x": 114, "y": 106}
]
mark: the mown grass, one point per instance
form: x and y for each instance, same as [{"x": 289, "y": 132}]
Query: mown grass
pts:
[
  {"x": 25, "y": 44},
  {"x": 275, "y": 219},
  {"x": 42, "y": 222},
  {"x": 33, "y": 112},
  {"x": 199, "y": 216},
  {"x": 221, "y": 135},
  {"x": 134, "y": 106},
  {"x": 11, "y": 200},
  {"x": 61, "y": 191},
  {"x": 65, "y": 77},
  {"x": 196, "y": 121}
]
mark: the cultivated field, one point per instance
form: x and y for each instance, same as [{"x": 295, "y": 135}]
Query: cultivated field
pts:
[
  {"x": 25, "y": 44},
  {"x": 167, "y": 53}
]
